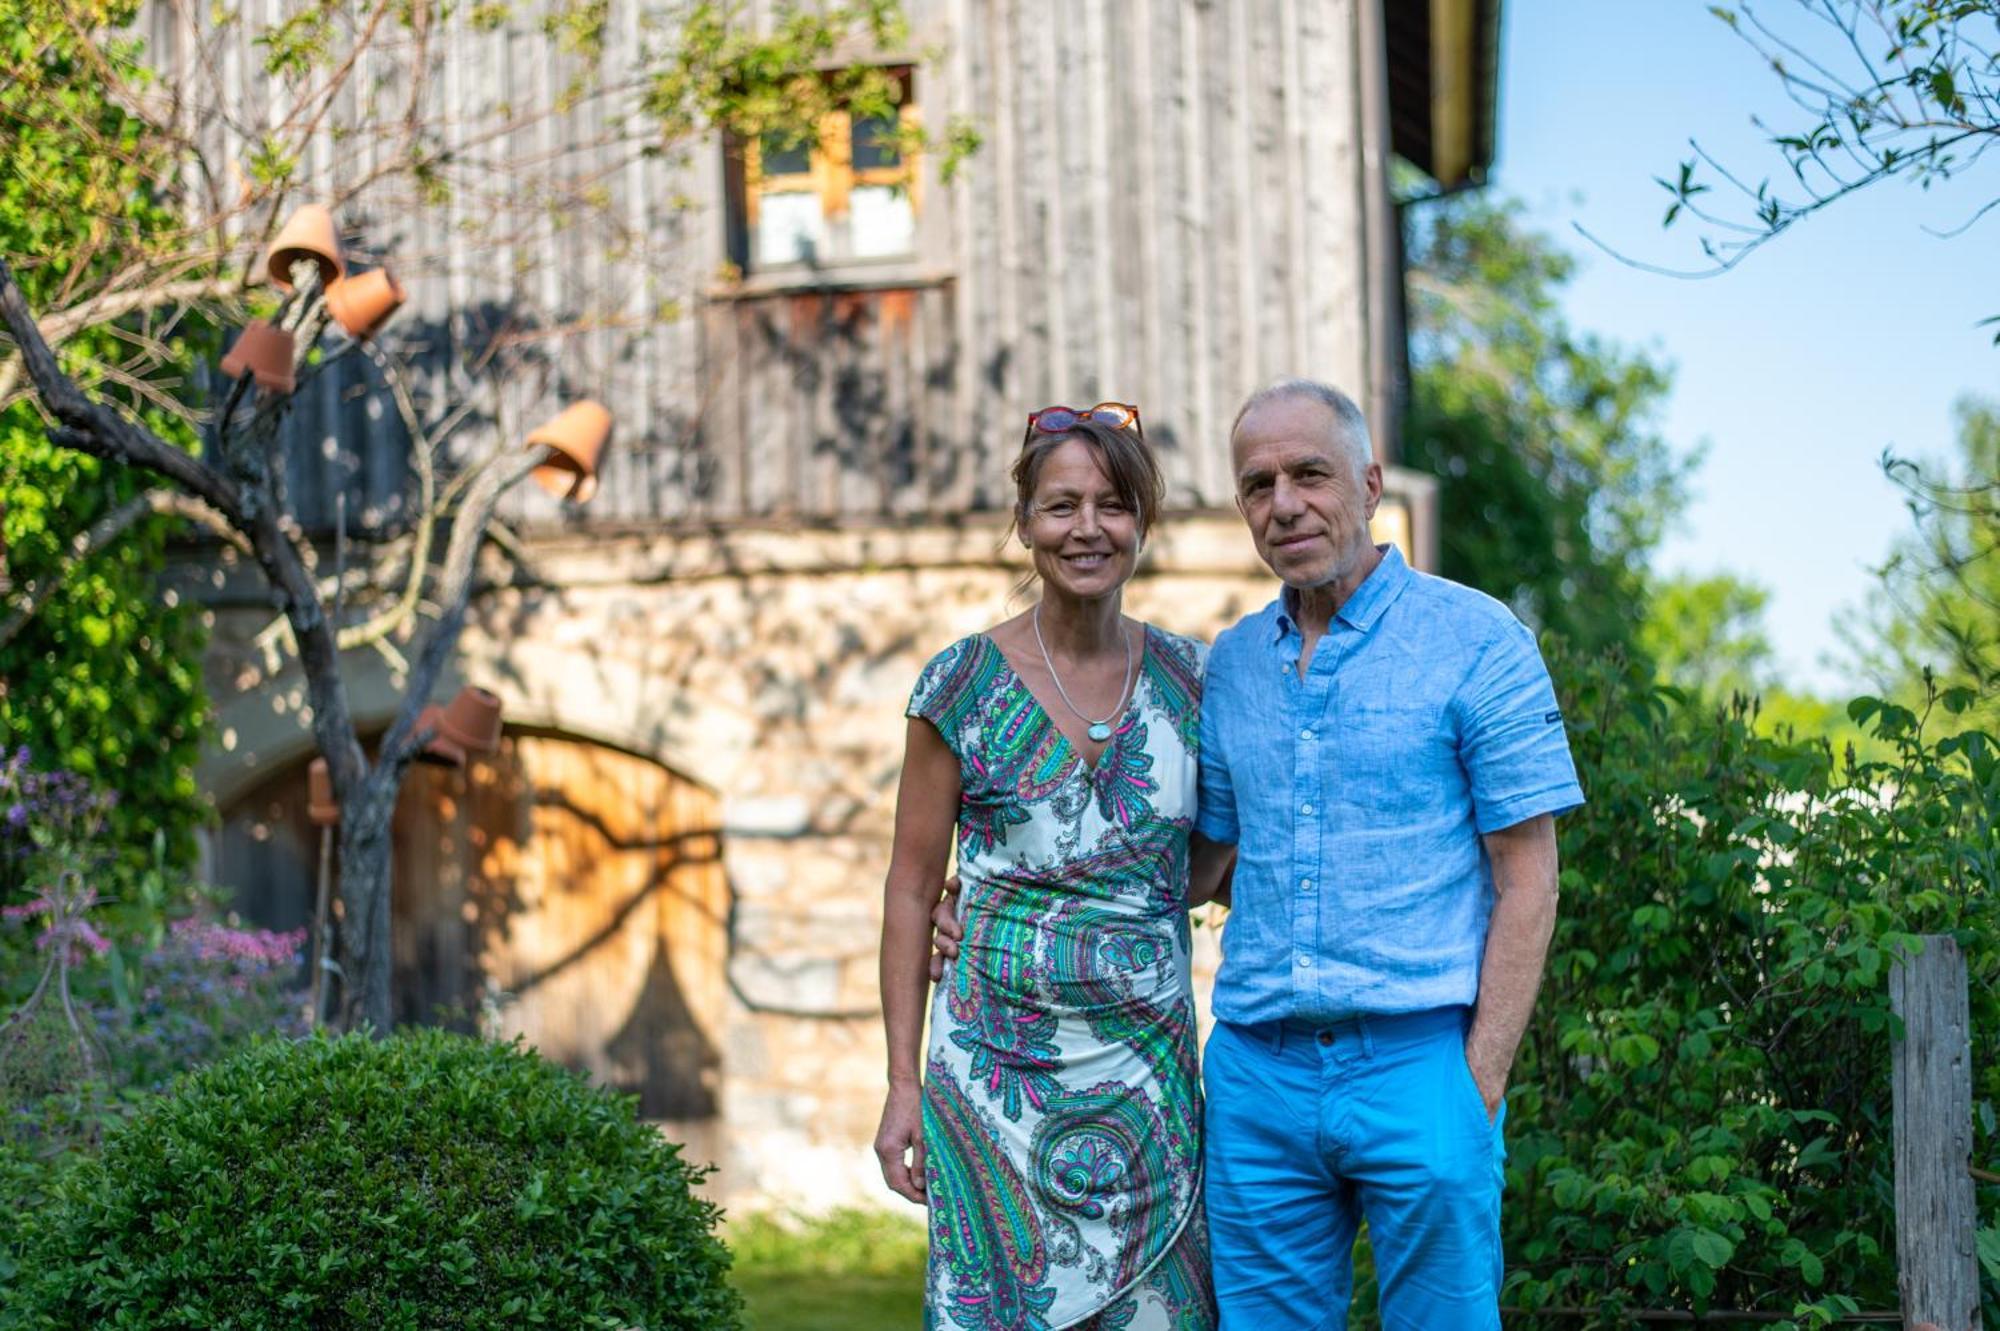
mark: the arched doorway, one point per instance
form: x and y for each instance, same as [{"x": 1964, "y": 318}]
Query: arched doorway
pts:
[{"x": 559, "y": 890}]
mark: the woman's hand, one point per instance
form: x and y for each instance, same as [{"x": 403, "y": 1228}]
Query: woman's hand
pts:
[
  {"x": 902, "y": 1131},
  {"x": 945, "y": 929}
]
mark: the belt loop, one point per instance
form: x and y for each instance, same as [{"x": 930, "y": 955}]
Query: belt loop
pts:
[
  {"x": 1278, "y": 1037},
  {"x": 1367, "y": 1033}
]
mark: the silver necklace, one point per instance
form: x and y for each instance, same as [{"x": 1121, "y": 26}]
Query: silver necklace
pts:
[{"x": 1099, "y": 730}]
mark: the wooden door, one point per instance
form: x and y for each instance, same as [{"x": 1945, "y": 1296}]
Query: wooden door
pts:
[{"x": 557, "y": 890}]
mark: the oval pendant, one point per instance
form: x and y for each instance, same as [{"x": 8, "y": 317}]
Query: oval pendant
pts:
[{"x": 1099, "y": 731}]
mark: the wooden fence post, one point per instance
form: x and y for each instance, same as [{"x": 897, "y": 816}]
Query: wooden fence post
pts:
[{"x": 1932, "y": 1075}]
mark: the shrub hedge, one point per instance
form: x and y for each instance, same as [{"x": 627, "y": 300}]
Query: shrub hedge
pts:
[{"x": 405, "y": 1184}]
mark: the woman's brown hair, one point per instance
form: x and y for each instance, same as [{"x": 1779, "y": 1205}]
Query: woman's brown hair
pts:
[{"x": 1127, "y": 462}]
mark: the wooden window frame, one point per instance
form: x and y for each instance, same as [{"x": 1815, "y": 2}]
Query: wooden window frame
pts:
[{"x": 831, "y": 177}]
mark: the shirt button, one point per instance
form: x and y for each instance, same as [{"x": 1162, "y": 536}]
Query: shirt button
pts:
[
  {"x": 1305, "y": 884},
  {"x": 1306, "y": 734},
  {"x": 1306, "y": 809},
  {"x": 1305, "y": 961}
]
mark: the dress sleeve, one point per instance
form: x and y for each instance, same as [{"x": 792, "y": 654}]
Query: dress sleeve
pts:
[{"x": 944, "y": 691}]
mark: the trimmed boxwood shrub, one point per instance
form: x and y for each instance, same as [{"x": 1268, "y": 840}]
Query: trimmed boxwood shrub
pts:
[{"x": 421, "y": 1182}]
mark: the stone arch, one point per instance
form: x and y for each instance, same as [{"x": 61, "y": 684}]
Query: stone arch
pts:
[
  {"x": 610, "y": 702},
  {"x": 569, "y": 889}
]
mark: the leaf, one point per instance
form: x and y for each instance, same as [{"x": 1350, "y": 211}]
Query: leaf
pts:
[
  {"x": 1988, "y": 1243},
  {"x": 1712, "y": 1248}
]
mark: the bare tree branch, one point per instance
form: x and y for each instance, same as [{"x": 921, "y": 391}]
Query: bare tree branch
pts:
[{"x": 97, "y": 429}]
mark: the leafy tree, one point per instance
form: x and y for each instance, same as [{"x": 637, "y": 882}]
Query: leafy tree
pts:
[
  {"x": 97, "y": 674},
  {"x": 1936, "y": 608},
  {"x": 1706, "y": 635},
  {"x": 1885, "y": 89},
  {"x": 1556, "y": 486},
  {"x": 368, "y": 73}
]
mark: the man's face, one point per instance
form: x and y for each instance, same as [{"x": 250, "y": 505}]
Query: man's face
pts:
[{"x": 1296, "y": 487}]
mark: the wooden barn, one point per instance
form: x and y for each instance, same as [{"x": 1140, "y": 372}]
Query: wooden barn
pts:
[{"x": 820, "y": 356}]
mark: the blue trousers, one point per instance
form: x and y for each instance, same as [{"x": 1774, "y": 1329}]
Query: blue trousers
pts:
[{"x": 1313, "y": 1128}]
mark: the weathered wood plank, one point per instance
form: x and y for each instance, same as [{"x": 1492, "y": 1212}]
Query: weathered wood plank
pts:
[{"x": 1931, "y": 1068}]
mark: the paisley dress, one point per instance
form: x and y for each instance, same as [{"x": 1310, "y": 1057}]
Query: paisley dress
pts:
[{"x": 1062, "y": 1105}]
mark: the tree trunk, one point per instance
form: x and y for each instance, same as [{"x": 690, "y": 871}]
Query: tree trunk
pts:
[{"x": 366, "y": 960}]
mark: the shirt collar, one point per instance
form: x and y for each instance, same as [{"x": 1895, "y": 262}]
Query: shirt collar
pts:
[{"x": 1376, "y": 593}]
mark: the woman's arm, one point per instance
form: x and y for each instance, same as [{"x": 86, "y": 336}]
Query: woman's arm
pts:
[
  {"x": 1211, "y": 868},
  {"x": 926, "y": 816}
]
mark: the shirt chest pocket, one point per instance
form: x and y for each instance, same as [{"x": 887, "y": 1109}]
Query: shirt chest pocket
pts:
[{"x": 1389, "y": 736}]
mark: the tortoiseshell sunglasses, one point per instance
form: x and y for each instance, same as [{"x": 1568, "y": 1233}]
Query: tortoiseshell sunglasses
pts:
[{"x": 1055, "y": 420}]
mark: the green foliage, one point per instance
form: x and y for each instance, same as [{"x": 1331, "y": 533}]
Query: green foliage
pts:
[
  {"x": 1883, "y": 89},
  {"x": 1706, "y": 638},
  {"x": 415, "y": 1182},
  {"x": 104, "y": 678},
  {"x": 1555, "y": 487},
  {"x": 1701, "y": 1117},
  {"x": 849, "y": 1270},
  {"x": 1936, "y": 606},
  {"x": 1706, "y": 635},
  {"x": 756, "y": 82}
]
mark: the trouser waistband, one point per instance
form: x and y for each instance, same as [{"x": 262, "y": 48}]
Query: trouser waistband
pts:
[{"x": 1368, "y": 1030}]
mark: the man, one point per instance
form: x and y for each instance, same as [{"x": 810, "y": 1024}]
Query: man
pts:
[{"x": 1385, "y": 750}]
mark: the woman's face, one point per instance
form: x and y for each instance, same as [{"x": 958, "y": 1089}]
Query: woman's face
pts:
[{"x": 1083, "y": 536}]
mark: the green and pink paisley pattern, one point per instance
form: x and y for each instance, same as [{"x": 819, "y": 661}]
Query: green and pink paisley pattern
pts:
[{"x": 1062, "y": 1108}]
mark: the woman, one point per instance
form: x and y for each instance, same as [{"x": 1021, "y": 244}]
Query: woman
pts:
[{"x": 1055, "y": 1129}]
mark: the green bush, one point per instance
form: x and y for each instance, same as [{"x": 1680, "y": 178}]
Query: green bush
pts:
[
  {"x": 1701, "y": 1115},
  {"x": 416, "y": 1183}
]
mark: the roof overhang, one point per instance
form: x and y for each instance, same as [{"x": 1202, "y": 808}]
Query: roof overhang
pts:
[{"x": 1444, "y": 69}]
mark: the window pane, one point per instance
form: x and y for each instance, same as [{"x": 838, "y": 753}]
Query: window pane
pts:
[
  {"x": 875, "y": 143},
  {"x": 780, "y": 156},
  {"x": 881, "y": 222},
  {"x": 789, "y": 229}
]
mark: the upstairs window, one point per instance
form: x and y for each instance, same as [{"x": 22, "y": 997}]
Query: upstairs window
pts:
[{"x": 847, "y": 194}]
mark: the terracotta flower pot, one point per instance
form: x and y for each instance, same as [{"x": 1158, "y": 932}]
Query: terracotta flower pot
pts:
[
  {"x": 320, "y": 805},
  {"x": 442, "y": 751},
  {"x": 578, "y": 435},
  {"x": 363, "y": 303},
  {"x": 472, "y": 720},
  {"x": 264, "y": 351},
  {"x": 308, "y": 233}
]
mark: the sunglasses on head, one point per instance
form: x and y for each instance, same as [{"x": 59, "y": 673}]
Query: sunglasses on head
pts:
[{"x": 1056, "y": 420}]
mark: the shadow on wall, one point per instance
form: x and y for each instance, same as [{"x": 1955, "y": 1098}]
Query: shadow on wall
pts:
[{"x": 559, "y": 890}]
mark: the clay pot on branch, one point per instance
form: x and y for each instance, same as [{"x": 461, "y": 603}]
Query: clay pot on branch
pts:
[
  {"x": 442, "y": 751},
  {"x": 320, "y": 804},
  {"x": 578, "y": 435},
  {"x": 472, "y": 720},
  {"x": 363, "y": 303},
  {"x": 308, "y": 233},
  {"x": 264, "y": 351}
]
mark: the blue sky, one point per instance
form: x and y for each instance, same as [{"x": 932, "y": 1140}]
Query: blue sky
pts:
[{"x": 1851, "y": 333}]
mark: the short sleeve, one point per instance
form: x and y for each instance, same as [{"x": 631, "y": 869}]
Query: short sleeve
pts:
[
  {"x": 945, "y": 690},
  {"x": 1215, "y": 813},
  {"x": 1511, "y": 739}
]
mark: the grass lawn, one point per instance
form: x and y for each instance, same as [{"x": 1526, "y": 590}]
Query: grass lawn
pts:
[{"x": 848, "y": 1271}]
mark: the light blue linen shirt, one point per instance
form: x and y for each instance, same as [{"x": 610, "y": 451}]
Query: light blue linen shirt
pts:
[{"x": 1356, "y": 797}]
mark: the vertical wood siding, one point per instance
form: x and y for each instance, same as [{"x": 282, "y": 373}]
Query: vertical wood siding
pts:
[{"x": 1167, "y": 209}]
